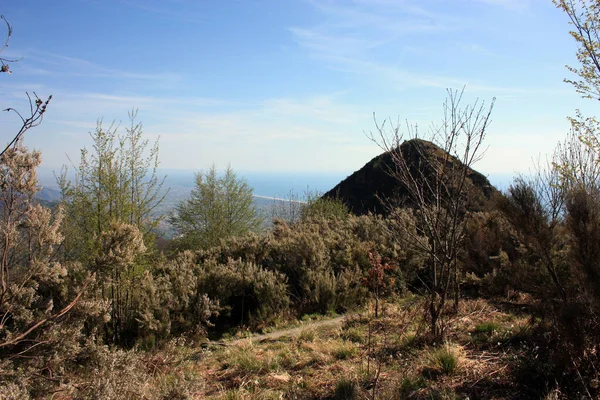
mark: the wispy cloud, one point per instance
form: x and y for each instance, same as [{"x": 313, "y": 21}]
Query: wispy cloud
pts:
[
  {"x": 219, "y": 130},
  {"x": 58, "y": 64},
  {"x": 177, "y": 10},
  {"x": 513, "y": 5},
  {"x": 380, "y": 40}
]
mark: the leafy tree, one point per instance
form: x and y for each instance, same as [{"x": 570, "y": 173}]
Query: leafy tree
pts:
[
  {"x": 585, "y": 18},
  {"x": 219, "y": 207},
  {"x": 117, "y": 181},
  {"x": 109, "y": 218}
]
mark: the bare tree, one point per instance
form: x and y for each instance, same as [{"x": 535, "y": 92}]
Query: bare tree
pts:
[
  {"x": 29, "y": 235},
  {"x": 437, "y": 185},
  {"x": 5, "y": 62},
  {"x": 37, "y": 107}
]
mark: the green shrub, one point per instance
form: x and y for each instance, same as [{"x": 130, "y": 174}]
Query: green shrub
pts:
[
  {"x": 172, "y": 301},
  {"x": 323, "y": 207},
  {"x": 325, "y": 261}
]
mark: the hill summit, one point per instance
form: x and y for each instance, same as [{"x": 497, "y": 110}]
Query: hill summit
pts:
[{"x": 371, "y": 188}]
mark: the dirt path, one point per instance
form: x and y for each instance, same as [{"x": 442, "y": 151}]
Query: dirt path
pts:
[{"x": 296, "y": 330}]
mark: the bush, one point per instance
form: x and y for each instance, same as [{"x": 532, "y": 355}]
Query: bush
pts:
[
  {"x": 172, "y": 301},
  {"x": 246, "y": 292},
  {"x": 325, "y": 260},
  {"x": 323, "y": 208}
]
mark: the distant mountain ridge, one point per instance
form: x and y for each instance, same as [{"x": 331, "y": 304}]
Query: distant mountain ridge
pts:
[{"x": 363, "y": 191}]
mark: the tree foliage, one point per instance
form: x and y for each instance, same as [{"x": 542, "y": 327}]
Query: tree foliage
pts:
[
  {"x": 116, "y": 181},
  {"x": 219, "y": 207},
  {"x": 584, "y": 16},
  {"x": 109, "y": 218}
]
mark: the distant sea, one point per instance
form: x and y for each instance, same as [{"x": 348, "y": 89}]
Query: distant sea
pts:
[
  {"x": 271, "y": 184},
  {"x": 269, "y": 189},
  {"x": 280, "y": 185}
]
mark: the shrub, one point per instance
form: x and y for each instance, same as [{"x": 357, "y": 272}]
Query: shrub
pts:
[
  {"x": 246, "y": 292},
  {"x": 325, "y": 260},
  {"x": 323, "y": 208},
  {"x": 172, "y": 301}
]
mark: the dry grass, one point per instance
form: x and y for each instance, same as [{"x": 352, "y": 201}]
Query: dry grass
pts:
[{"x": 388, "y": 357}]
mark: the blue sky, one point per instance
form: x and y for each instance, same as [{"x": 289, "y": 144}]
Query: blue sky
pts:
[{"x": 288, "y": 85}]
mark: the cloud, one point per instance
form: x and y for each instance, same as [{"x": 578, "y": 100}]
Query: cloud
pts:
[
  {"x": 194, "y": 132},
  {"x": 512, "y": 5},
  {"x": 57, "y": 64},
  {"x": 176, "y": 10},
  {"x": 405, "y": 44}
]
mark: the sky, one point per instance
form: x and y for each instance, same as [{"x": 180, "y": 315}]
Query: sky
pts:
[{"x": 288, "y": 85}]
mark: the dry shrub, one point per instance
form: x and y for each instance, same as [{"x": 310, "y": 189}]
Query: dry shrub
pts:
[
  {"x": 246, "y": 292},
  {"x": 172, "y": 302}
]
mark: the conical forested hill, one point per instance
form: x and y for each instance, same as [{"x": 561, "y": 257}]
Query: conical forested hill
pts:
[{"x": 372, "y": 189}]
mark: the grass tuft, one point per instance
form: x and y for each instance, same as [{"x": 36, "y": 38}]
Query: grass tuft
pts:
[
  {"x": 487, "y": 328},
  {"x": 307, "y": 335},
  {"x": 344, "y": 350},
  {"x": 345, "y": 389},
  {"x": 446, "y": 358}
]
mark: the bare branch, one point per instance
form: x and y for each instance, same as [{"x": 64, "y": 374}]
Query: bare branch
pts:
[
  {"x": 434, "y": 178},
  {"x": 38, "y": 108},
  {"x": 4, "y": 62}
]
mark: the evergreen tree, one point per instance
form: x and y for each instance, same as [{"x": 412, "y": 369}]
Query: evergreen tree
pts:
[{"x": 219, "y": 207}]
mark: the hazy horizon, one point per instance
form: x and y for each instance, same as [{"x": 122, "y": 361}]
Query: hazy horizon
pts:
[{"x": 270, "y": 184}]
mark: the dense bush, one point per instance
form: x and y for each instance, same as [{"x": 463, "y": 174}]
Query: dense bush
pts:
[
  {"x": 172, "y": 302},
  {"x": 247, "y": 293},
  {"x": 326, "y": 260},
  {"x": 559, "y": 265}
]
